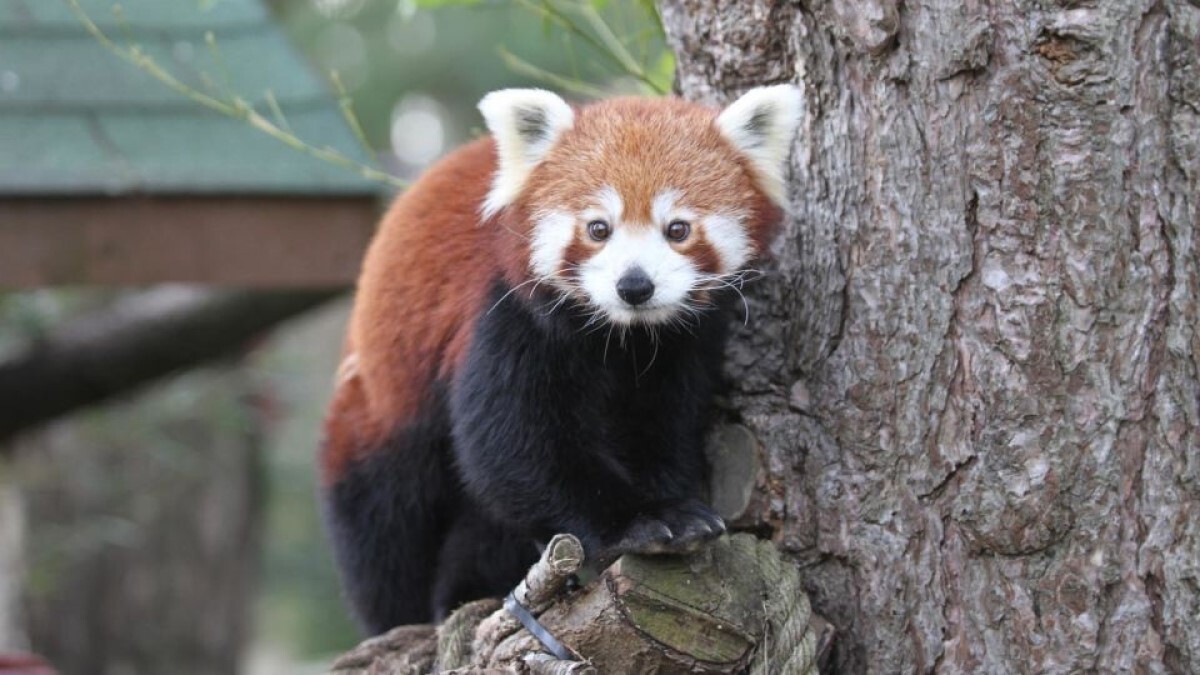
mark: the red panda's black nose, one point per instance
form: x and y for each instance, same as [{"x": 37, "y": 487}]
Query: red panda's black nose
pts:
[{"x": 634, "y": 286}]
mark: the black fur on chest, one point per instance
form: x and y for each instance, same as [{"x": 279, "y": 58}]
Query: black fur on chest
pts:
[
  {"x": 636, "y": 388},
  {"x": 553, "y": 424}
]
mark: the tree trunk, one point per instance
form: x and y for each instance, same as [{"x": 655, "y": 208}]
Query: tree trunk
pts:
[
  {"x": 12, "y": 567},
  {"x": 145, "y": 519},
  {"x": 971, "y": 373}
]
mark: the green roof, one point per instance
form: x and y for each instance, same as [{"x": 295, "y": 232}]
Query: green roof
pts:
[{"x": 75, "y": 119}]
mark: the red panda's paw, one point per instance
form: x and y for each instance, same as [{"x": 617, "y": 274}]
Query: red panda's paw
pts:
[{"x": 675, "y": 527}]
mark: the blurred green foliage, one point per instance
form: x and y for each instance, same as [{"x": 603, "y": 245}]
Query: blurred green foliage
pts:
[
  {"x": 455, "y": 51},
  {"x": 408, "y": 72}
]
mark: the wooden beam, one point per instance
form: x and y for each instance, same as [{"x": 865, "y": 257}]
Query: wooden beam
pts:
[{"x": 226, "y": 240}]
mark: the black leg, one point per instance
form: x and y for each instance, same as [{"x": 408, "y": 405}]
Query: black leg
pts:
[
  {"x": 479, "y": 559},
  {"x": 388, "y": 514}
]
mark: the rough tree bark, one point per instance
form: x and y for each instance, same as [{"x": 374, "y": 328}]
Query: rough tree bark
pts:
[{"x": 971, "y": 377}]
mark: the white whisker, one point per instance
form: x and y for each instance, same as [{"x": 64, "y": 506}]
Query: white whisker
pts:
[
  {"x": 514, "y": 290},
  {"x": 653, "y": 356}
]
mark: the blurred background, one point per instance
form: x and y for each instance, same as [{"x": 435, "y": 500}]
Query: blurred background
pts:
[{"x": 186, "y": 187}]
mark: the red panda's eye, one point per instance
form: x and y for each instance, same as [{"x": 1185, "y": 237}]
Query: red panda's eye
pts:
[
  {"x": 678, "y": 230},
  {"x": 598, "y": 230}
]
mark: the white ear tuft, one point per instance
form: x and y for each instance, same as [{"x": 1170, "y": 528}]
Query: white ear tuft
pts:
[
  {"x": 525, "y": 124},
  {"x": 761, "y": 125}
]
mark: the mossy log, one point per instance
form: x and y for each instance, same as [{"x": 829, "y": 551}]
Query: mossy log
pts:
[{"x": 736, "y": 606}]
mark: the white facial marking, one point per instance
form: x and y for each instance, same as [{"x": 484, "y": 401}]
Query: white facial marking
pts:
[
  {"x": 666, "y": 207},
  {"x": 552, "y": 234},
  {"x": 611, "y": 203},
  {"x": 724, "y": 232},
  {"x": 727, "y": 236},
  {"x": 673, "y": 275},
  {"x": 662, "y": 208},
  {"x": 636, "y": 245}
]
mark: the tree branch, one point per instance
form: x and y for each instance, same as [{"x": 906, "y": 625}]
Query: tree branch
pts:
[
  {"x": 138, "y": 339},
  {"x": 736, "y": 606}
]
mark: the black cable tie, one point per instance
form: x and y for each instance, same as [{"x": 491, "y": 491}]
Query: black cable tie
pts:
[{"x": 539, "y": 631}]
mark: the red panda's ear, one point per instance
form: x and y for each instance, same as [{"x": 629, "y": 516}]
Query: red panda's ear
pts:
[
  {"x": 525, "y": 124},
  {"x": 761, "y": 125}
]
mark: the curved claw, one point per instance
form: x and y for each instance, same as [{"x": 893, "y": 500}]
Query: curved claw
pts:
[{"x": 678, "y": 527}]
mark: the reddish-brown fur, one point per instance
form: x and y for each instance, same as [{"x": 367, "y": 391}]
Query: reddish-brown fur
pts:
[
  {"x": 641, "y": 147},
  {"x": 432, "y": 263},
  {"x": 432, "y": 259}
]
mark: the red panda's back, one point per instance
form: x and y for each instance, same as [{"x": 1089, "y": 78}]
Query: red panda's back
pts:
[{"x": 424, "y": 279}]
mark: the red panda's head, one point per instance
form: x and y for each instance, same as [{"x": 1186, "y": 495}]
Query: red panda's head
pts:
[{"x": 638, "y": 207}]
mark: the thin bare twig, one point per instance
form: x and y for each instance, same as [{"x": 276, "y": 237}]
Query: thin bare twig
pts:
[
  {"x": 519, "y": 65},
  {"x": 604, "y": 41},
  {"x": 236, "y": 108}
]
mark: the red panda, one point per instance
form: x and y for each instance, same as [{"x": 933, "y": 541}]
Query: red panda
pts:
[{"x": 536, "y": 339}]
